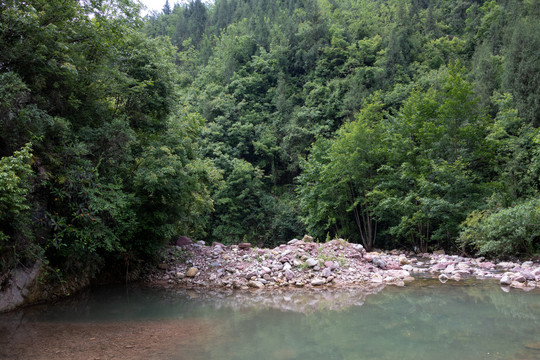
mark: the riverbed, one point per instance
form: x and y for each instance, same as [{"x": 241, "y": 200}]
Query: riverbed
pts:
[{"x": 424, "y": 319}]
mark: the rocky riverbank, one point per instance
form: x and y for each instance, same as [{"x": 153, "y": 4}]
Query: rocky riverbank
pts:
[{"x": 337, "y": 263}]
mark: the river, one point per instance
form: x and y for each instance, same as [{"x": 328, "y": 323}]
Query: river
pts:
[{"x": 423, "y": 320}]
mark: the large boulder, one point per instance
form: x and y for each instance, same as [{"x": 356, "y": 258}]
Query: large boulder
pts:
[
  {"x": 20, "y": 287},
  {"x": 183, "y": 241}
]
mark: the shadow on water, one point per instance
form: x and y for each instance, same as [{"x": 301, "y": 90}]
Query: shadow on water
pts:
[{"x": 423, "y": 320}]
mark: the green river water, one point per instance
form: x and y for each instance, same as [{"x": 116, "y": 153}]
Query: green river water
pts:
[{"x": 423, "y": 320}]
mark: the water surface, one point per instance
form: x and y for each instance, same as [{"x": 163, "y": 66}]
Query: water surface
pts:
[{"x": 423, "y": 320}]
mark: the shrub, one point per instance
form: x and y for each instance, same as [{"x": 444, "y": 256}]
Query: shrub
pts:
[{"x": 509, "y": 231}]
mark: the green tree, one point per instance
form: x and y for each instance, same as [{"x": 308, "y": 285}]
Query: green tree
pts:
[{"x": 339, "y": 176}]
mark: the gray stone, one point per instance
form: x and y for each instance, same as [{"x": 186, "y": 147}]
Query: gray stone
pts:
[
  {"x": 377, "y": 261},
  {"x": 506, "y": 279},
  {"x": 289, "y": 274},
  {"x": 311, "y": 262},
  {"x": 528, "y": 275},
  {"x": 326, "y": 272},
  {"x": 293, "y": 242},
  {"x": 255, "y": 284},
  {"x": 317, "y": 282}
]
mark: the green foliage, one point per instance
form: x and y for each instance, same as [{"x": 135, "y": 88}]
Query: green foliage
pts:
[
  {"x": 504, "y": 232},
  {"x": 15, "y": 184},
  {"x": 280, "y": 80},
  {"x": 339, "y": 176},
  {"x": 386, "y": 113},
  {"x": 116, "y": 165}
]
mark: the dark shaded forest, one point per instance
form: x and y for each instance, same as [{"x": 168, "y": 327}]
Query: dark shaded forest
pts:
[{"x": 395, "y": 124}]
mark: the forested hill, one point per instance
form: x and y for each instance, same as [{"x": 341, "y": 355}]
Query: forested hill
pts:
[
  {"x": 383, "y": 122},
  {"x": 394, "y": 123}
]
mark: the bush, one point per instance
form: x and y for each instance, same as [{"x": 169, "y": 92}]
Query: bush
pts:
[
  {"x": 15, "y": 177},
  {"x": 512, "y": 231}
]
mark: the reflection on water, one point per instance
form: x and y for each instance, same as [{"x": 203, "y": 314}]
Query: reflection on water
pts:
[{"x": 423, "y": 320}]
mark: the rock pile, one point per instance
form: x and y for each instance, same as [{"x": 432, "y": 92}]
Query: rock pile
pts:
[{"x": 337, "y": 263}]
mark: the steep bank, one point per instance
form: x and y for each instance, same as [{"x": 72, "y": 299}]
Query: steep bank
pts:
[
  {"x": 28, "y": 285},
  {"x": 303, "y": 263}
]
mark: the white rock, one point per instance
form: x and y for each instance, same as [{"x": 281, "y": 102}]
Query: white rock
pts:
[
  {"x": 311, "y": 262},
  {"x": 506, "y": 279},
  {"x": 450, "y": 269},
  {"x": 443, "y": 278}
]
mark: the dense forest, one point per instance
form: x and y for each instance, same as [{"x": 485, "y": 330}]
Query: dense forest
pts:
[{"x": 393, "y": 123}]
